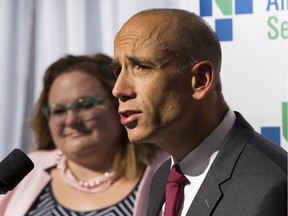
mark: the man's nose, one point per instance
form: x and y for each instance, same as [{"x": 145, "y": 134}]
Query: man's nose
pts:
[
  {"x": 117, "y": 89},
  {"x": 124, "y": 88}
]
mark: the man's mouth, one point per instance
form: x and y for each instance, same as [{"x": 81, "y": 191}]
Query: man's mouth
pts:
[{"x": 129, "y": 116}]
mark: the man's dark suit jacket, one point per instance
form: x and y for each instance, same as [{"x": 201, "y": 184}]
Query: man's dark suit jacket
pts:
[{"x": 248, "y": 178}]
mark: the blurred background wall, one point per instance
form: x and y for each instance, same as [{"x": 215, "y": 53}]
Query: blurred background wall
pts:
[{"x": 35, "y": 33}]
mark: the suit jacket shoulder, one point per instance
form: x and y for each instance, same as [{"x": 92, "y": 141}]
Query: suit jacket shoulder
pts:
[{"x": 248, "y": 177}]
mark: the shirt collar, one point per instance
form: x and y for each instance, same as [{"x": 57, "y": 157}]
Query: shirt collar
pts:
[{"x": 200, "y": 157}]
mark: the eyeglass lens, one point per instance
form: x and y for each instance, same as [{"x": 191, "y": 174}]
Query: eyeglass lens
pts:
[{"x": 84, "y": 108}]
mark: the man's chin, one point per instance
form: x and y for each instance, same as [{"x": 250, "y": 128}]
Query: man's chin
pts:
[{"x": 136, "y": 140}]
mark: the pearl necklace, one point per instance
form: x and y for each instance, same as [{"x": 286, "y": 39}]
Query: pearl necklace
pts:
[{"x": 94, "y": 185}]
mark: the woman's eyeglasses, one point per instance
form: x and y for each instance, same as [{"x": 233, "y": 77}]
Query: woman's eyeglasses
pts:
[{"x": 85, "y": 108}]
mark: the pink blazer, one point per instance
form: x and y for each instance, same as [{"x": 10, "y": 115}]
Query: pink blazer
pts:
[{"x": 19, "y": 201}]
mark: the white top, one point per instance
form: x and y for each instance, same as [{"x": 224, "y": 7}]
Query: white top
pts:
[{"x": 197, "y": 163}]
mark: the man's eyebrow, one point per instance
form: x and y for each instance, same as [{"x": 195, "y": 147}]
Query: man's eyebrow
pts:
[
  {"x": 137, "y": 60},
  {"x": 147, "y": 62},
  {"x": 132, "y": 59}
]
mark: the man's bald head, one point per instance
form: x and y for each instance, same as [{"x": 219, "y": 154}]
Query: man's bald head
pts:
[{"x": 183, "y": 34}]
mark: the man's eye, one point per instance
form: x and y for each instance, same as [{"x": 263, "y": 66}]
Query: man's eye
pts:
[
  {"x": 116, "y": 72},
  {"x": 116, "y": 69},
  {"x": 142, "y": 67}
]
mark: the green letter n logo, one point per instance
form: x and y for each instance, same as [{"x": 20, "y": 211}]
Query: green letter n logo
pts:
[{"x": 224, "y": 27}]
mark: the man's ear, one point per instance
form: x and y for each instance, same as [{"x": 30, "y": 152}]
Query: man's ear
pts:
[{"x": 202, "y": 79}]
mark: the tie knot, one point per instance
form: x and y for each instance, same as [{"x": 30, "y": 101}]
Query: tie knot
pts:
[{"x": 176, "y": 175}]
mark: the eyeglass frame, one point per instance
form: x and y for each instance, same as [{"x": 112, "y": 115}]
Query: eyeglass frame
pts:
[{"x": 96, "y": 101}]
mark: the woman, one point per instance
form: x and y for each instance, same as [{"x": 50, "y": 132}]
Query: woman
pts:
[{"x": 84, "y": 163}]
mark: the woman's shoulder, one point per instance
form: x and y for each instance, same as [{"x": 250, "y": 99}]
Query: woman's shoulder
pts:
[{"x": 43, "y": 157}]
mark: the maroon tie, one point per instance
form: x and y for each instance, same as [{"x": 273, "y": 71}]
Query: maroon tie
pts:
[{"x": 174, "y": 191}]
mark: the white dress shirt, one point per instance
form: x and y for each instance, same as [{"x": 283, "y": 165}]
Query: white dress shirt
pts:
[{"x": 197, "y": 163}]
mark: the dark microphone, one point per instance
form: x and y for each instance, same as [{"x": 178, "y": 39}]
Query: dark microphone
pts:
[{"x": 13, "y": 169}]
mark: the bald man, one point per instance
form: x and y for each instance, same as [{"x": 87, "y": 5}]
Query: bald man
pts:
[{"x": 168, "y": 64}]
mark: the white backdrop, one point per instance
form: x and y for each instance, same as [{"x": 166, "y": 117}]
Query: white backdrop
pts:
[{"x": 34, "y": 33}]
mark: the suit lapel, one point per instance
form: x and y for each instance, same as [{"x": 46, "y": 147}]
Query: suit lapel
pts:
[
  {"x": 210, "y": 194},
  {"x": 157, "y": 193},
  {"x": 206, "y": 198}
]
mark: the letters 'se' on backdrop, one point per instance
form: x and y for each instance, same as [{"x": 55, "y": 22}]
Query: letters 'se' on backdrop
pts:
[{"x": 254, "y": 40}]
